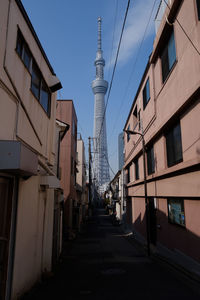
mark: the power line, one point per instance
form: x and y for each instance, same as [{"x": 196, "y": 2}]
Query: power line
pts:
[
  {"x": 135, "y": 62},
  {"x": 111, "y": 53},
  {"x": 110, "y": 87},
  {"x": 115, "y": 64},
  {"x": 193, "y": 45}
]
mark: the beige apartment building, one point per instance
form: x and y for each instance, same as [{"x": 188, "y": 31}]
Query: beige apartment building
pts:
[
  {"x": 28, "y": 184},
  {"x": 81, "y": 188},
  {"x": 166, "y": 112}
]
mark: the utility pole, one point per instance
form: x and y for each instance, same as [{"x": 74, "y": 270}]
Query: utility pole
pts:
[
  {"x": 90, "y": 175},
  {"x": 145, "y": 187}
]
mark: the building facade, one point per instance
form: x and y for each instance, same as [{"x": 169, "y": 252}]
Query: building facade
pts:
[
  {"x": 165, "y": 111},
  {"x": 116, "y": 192},
  {"x": 120, "y": 150},
  {"x": 82, "y": 199},
  {"x": 27, "y": 153},
  {"x": 68, "y": 162}
]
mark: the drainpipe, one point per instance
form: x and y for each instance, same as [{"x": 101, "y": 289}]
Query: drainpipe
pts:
[
  {"x": 60, "y": 138},
  {"x": 11, "y": 254}
]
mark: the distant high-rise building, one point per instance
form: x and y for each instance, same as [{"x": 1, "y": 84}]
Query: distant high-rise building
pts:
[
  {"x": 120, "y": 150},
  {"x": 99, "y": 87}
]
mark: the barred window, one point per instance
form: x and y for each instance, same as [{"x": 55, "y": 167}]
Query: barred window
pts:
[{"x": 176, "y": 212}]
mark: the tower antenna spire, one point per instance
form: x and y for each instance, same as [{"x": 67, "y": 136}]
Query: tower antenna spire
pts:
[
  {"x": 99, "y": 32},
  {"x": 99, "y": 87}
]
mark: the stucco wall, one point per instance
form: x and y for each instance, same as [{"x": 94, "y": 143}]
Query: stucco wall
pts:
[
  {"x": 22, "y": 118},
  {"x": 32, "y": 124},
  {"x": 175, "y": 99},
  {"x": 34, "y": 232}
]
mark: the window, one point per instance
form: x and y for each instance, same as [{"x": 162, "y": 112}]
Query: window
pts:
[
  {"x": 23, "y": 51},
  {"x": 198, "y": 8},
  {"x": 168, "y": 56},
  {"x": 128, "y": 174},
  {"x": 20, "y": 42},
  {"x": 72, "y": 166},
  {"x": 136, "y": 118},
  {"x": 38, "y": 86},
  {"x": 176, "y": 213},
  {"x": 128, "y": 135},
  {"x": 26, "y": 57},
  {"x": 44, "y": 96},
  {"x": 35, "y": 81},
  {"x": 146, "y": 94},
  {"x": 174, "y": 146},
  {"x": 75, "y": 171},
  {"x": 139, "y": 123},
  {"x": 135, "y": 112},
  {"x": 136, "y": 169},
  {"x": 150, "y": 161}
]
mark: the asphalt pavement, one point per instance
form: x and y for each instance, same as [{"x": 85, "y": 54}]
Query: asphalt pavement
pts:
[{"x": 102, "y": 264}]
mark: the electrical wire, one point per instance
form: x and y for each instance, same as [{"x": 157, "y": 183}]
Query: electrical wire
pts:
[
  {"x": 193, "y": 45},
  {"x": 114, "y": 68},
  {"x": 112, "y": 47},
  {"x": 135, "y": 62}
]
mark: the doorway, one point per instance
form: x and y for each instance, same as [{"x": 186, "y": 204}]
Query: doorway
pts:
[
  {"x": 152, "y": 221},
  {"x": 6, "y": 193}
]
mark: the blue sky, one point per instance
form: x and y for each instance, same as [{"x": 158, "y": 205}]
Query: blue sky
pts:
[{"x": 67, "y": 30}]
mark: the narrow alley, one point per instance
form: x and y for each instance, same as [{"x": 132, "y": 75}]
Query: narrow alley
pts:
[{"x": 102, "y": 263}]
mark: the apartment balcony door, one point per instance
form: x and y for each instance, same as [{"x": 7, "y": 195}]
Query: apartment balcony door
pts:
[{"x": 6, "y": 191}]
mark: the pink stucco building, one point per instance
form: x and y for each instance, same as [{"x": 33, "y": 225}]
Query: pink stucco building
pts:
[
  {"x": 68, "y": 161},
  {"x": 166, "y": 110}
]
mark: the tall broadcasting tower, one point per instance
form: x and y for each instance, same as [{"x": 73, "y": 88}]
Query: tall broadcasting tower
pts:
[{"x": 99, "y": 87}]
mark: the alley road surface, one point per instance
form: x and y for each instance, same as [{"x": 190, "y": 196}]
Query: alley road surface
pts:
[{"x": 102, "y": 264}]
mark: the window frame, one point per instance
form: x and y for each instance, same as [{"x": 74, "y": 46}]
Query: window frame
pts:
[
  {"x": 128, "y": 174},
  {"x": 167, "y": 64},
  {"x": 146, "y": 96},
  {"x": 72, "y": 166},
  {"x": 150, "y": 160},
  {"x": 172, "y": 147},
  {"x": 35, "y": 70},
  {"x": 22, "y": 49},
  {"x": 128, "y": 135},
  {"x": 136, "y": 167},
  {"x": 198, "y": 9},
  {"x": 172, "y": 217}
]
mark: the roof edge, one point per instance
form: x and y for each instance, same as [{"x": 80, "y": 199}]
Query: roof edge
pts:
[{"x": 26, "y": 17}]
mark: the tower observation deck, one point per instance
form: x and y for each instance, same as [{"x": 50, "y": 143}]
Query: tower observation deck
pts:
[{"x": 99, "y": 87}]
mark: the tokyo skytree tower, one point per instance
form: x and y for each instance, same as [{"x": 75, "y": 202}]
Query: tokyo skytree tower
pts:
[{"x": 99, "y": 87}]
